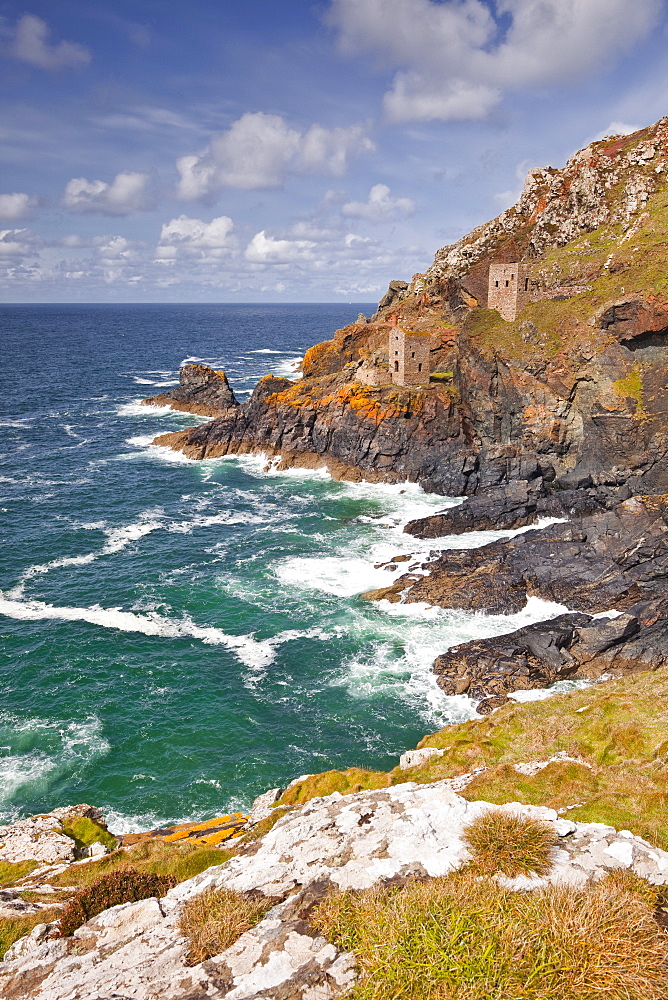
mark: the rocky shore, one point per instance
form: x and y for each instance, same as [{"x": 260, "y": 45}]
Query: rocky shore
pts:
[
  {"x": 552, "y": 426},
  {"x": 559, "y": 414},
  {"x": 306, "y": 844}
]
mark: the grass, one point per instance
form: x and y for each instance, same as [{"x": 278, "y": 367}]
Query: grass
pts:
[
  {"x": 11, "y": 871},
  {"x": 355, "y": 779},
  {"x": 13, "y": 928},
  {"x": 465, "y": 937},
  {"x": 510, "y": 843},
  {"x": 85, "y": 832},
  {"x": 183, "y": 861},
  {"x": 214, "y": 920}
]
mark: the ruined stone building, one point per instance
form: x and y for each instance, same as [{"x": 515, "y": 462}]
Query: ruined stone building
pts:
[
  {"x": 508, "y": 288},
  {"x": 408, "y": 355}
]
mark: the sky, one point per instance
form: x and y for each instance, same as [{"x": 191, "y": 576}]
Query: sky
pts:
[{"x": 293, "y": 151}]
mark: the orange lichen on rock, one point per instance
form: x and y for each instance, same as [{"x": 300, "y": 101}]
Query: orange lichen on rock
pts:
[{"x": 209, "y": 833}]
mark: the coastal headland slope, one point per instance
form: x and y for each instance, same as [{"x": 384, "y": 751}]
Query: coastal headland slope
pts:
[{"x": 558, "y": 412}]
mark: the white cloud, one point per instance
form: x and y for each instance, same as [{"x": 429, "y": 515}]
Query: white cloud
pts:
[
  {"x": 16, "y": 244},
  {"x": 454, "y": 61},
  {"x": 128, "y": 192},
  {"x": 264, "y": 249},
  {"x": 617, "y": 128},
  {"x": 31, "y": 45},
  {"x": 381, "y": 206},
  {"x": 16, "y": 206},
  {"x": 186, "y": 237},
  {"x": 260, "y": 150}
]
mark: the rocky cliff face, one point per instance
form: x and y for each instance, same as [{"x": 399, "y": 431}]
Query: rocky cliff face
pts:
[
  {"x": 561, "y": 412},
  {"x": 570, "y": 394}
]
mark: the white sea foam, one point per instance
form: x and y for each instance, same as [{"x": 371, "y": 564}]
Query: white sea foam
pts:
[
  {"x": 254, "y": 653},
  {"x": 78, "y": 743},
  {"x": 540, "y": 694},
  {"x": 398, "y": 659},
  {"x": 162, "y": 384},
  {"x": 140, "y": 440},
  {"x": 137, "y": 409}
]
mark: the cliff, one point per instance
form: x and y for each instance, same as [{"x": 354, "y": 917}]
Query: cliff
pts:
[
  {"x": 570, "y": 394},
  {"x": 431, "y": 845}
]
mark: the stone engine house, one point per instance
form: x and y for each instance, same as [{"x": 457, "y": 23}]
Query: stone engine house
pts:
[
  {"x": 508, "y": 289},
  {"x": 408, "y": 356}
]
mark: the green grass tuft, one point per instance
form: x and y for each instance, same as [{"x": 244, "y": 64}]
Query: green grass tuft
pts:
[
  {"x": 510, "y": 844},
  {"x": 464, "y": 937}
]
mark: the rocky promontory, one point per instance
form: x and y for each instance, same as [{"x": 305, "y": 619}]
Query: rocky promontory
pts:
[{"x": 559, "y": 413}]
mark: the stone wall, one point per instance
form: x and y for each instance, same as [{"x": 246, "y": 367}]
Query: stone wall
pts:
[
  {"x": 409, "y": 356},
  {"x": 509, "y": 289},
  {"x": 373, "y": 377}
]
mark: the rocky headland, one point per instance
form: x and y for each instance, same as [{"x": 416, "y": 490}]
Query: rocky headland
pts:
[{"x": 560, "y": 413}]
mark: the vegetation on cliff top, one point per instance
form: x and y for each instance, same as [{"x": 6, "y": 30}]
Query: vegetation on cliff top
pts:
[
  {"x": 615, "y": 731},
  {"x": 465, "y": 937}
]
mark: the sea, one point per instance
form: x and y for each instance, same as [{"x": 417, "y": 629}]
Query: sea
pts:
[{"x": 179, "y": 636}]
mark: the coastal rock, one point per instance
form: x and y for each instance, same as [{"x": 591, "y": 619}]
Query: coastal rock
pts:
[
  {"x": 136, "y": 949},
  {"x": 42, "y": 838},
  {"x": 570, "y": 646},
  {"x": 609, "y": 560},
  {"x": 515, "y": 505},
  {"x": 566, "y": 398},
  {"x": 261, "y": 808},
  {"x": 201, "y": 390}
]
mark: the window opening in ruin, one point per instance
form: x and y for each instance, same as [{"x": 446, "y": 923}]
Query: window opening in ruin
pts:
[
  {"x": 419, "y": 366},
  {"x": 507, "y": 283},
  {"x": 412, "y": 354},
  {"x": 396, "y": 352},
  {"x": 496, "y": 283},
  {"x": 526, "y": 284},
  {"x": 396, "y": 366}
]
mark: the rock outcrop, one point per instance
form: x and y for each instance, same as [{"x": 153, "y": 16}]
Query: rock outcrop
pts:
[
  {"x": 609, "y": 560},
  {"x": 568, "y": 396},
  {"x": 137, "y": 949},
  {"x": 201, "y": 390},
  {"x": 47, "y": 838}
]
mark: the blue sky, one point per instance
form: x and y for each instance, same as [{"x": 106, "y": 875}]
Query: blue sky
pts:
[{"x": 210, "y": 151}]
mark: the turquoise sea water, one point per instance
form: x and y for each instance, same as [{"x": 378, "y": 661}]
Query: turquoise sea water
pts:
[{"x": 179, "y": 636}]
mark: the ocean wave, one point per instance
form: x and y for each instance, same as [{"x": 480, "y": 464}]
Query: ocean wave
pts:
[
  {"x": 251, "y": 652},
  {"x": 118, "y": 538},
  {"x": 37, "y": 753}
]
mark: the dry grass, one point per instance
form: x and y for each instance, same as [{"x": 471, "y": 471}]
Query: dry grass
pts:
[
  {"x": 153, "y": 856},
  {"x": 511, "y": 844},
  {"x": 463, "y": 937},
  {"x": 215, "y": 919},
  {"x": 13, "y": 928}
]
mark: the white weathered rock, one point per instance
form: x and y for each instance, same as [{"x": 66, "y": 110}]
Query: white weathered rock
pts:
[
  {"x": 412, "y": 758},
  {"x": 41, "y": 838},
  {"x": 261, "y": 808},
  {"x": 136, "y": 950}
]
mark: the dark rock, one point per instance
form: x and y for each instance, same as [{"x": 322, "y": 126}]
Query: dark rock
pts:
[
  {"x": 201, "y": 390},
  {"x": 570, "y": 646},
  {"x": 514, "y": 506},
  {"x": 610, "y": 559}
]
